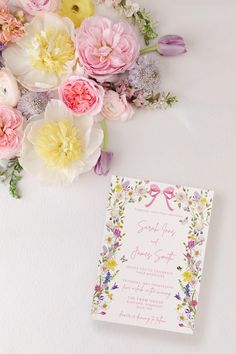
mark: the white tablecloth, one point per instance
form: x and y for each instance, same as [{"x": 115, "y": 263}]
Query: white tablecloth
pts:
[{"x": 50, "y": 239}]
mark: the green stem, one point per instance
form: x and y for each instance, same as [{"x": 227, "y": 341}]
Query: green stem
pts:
[
  {"x": 150, "y": 49},
  {"x": 105, "y": 133}
]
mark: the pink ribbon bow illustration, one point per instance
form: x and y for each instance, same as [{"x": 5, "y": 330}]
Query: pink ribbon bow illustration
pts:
[{"x": 167, "y": 192}]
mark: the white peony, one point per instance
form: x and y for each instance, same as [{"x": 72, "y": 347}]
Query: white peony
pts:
[
  {"x": 45, "y": 55},
  {"x": 61, "y": 146}
]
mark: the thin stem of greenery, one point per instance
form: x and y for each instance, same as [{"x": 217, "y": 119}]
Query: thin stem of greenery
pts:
[
  {"x": 105, "y": 134},
  {"x": 149, "y": 50},
  {"x": 11, "y": 174},
  {"x": 146, "y": 25}
]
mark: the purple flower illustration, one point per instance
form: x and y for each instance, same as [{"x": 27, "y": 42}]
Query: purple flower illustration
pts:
[
  {"x": 177, "y": 296},
  {"x": 115, "y": 286}
]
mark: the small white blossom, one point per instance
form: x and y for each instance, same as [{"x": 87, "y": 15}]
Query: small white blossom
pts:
[{"x": 130, "y": 8}]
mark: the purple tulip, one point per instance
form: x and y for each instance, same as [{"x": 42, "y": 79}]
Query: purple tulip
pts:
[
  {"x": 103, "y": 164},
  {"x": 171, "y": 45}
]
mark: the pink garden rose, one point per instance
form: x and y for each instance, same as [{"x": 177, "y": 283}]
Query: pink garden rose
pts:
[
  {"x": 11, "y": 132},
  {"x": 33, "y": 7},
  {"x": 106, "y": 48},
  {"x": 82, "y": 95},
  {"x": 116, "y": 107}
]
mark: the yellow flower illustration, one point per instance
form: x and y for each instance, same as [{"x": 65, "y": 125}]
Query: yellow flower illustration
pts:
[
  {"x": 76, "y": 10},
  {"x": 203, "y": 200},
  {"x": 191, "y": 237},
  {"x": 111, "y": 264},
  {"x": 110, "y": 296},
  {"x": 118, "y": 187},
  {"x": 179, "y": 307},
  {"x": 188, "y": 276}
]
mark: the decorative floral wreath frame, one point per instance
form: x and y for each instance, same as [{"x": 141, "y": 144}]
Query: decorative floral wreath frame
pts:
[{"x": 197, "y": 205}]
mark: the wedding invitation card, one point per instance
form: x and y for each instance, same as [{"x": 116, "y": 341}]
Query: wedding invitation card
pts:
[{"x": 151, "y": 262}]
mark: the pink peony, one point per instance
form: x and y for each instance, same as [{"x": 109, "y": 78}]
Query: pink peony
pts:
[
  {"x": 82, "y": 95},
  {"x": 116, "y": 107},
  {"x": 11, "y": 132},
  {"x": 33, "y": 7},
  {"x": 106, "y": 48}
]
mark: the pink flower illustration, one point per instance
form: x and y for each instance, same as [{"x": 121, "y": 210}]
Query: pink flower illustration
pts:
[
  {"x": 193, "y": 303},
  {"x": 191, "y": 244}
]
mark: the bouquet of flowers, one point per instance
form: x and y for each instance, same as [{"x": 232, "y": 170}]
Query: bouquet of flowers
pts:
[{"x": 64, "y": 72}]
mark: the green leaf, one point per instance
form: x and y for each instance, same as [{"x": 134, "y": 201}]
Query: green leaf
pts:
[
  {"x": 15, "y": 177},
  {"x": 11, "y": 174}
]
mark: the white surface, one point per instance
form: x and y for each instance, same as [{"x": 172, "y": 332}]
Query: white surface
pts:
[{"x": 50, "y": 239}]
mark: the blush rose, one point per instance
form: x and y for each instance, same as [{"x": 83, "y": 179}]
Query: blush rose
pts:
[{"x": 116, "y": 107}]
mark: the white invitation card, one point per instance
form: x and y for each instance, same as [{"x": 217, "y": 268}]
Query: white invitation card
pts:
[{"x": 150, "y": 266}]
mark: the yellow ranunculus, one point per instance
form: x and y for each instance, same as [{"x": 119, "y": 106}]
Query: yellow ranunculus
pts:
[
  {"x": 76, "y": 10},
  {"x": 188, "y": 276}
]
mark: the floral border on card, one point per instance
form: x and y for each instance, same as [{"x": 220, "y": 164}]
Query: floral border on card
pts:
[
  {"x": 198, "y": 206},
  {"x": 122, "y": 192}
]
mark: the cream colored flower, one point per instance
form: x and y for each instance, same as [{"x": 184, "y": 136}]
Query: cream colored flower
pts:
[
  {"x": 45, "y": 55},
  {"x": 9, "y": 91},
  {"x": 60, "y": 147}
]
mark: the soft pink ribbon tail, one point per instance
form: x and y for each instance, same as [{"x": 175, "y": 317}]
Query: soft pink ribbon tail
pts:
[
  {"x": 154, "y": 191},
  {"x": 169, "y": 194}
]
